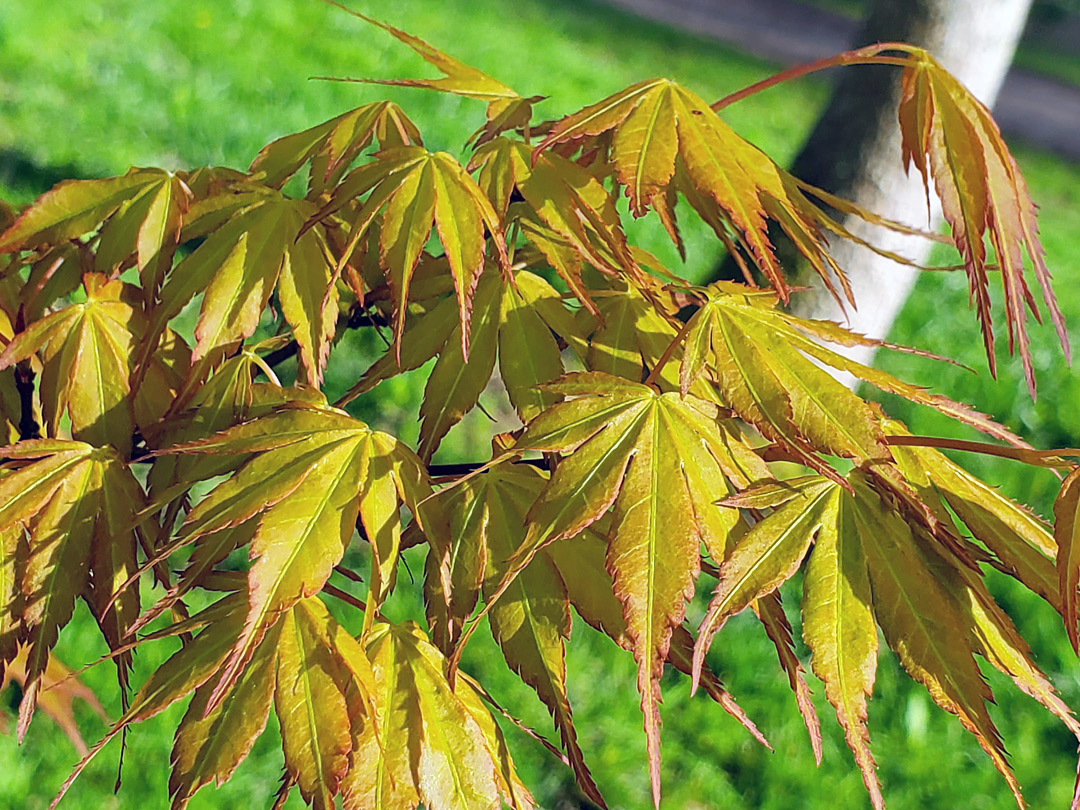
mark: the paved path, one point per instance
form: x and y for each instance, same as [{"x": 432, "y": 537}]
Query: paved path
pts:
[{"x": 1032, "y": 107}]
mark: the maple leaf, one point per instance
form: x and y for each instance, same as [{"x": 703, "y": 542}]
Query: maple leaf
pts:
[
  {"x": 872, "y": 563},
  {"x": 917, "y": 617},
  {"x": 319, "y": 679},
  {"x": 311, "y": 705},
  {"x": 181, "y": 674},
  {"x": 628, "y": 337},
  {"x": 629, "y": 444},
  {"x": 531, "y": 620},
  {"x": 838, "y": 625},
  {"x": 333, "y": 145},
  {"x": 764, "y": 365},
  {"x": 209, "y": 746},
  {"x": 237, "y": 267},
  {"x": 506, "y": 109},
  {"x": 504, "y": 318},
  {"x": 418, "y": 190},
  {"x": 1022, "y": 545},
  {"x": 86, "y": 352},
  {"x": 78, "y": 504},
  {"x": 143, "y": 211},
  {"x": 580, "y": 561},
  {"x": 767, "y": 555},
  {"x": 754, "y": 568},
  {"x": 227, "y": 399},
  {"x": 86, "y": 349},
  {"x": 950, "y": 136},
  {"x": 666, "y": 137},
  {"x": 436, "y": 745},
  {"x": 312, "y": 473},
  {"x": 992, "y": 634}
]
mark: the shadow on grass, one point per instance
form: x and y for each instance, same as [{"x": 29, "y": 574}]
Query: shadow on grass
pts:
[{"x": 25, "y": 178}]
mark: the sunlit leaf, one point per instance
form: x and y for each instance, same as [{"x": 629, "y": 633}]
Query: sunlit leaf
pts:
[
  {"x": 332, "y": 146},
  {"x": 532, "y": 618},
  {"x": 657, "y": 124},
  {"x": 949, "y": 135},
  {"x": 86, "y": 350},
  {"x": 432, "y": 749},
  {"x": 838, "y": 626},
  {"x": 420, "y": 189},
  {"x": 310, "y": 702},
  {"x": 77, "y": 207},
  {"x": 78, "y": 504},
  {"x": 627, "y": 441},
  {"x": 307, "y": 482}
]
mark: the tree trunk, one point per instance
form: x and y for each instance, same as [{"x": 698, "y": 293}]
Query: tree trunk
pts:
[{"x": 854, "y": 150}]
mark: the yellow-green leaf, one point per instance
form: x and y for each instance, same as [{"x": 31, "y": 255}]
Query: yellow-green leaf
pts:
[
  {"x": 838, "y": 626},
  {"x": 209, "y": 746},
  {"x": 86, "y": 350},
  {"x": 310, "y": 703},
  {"x": 1067, "y": 535},
  {"x": 78, "y": 504},
  {"x": 532, "y": 617},
  {"x": 334, "y": 144},
  {"x": 919, "y": 619},
  {"x": 74, "y": 208},
  {"x": 665, "y": 132},
  {"x": 420, "y": 189},
  {"x": 307, "y": 483},
  {"x": 951, "y": 135},
  {"x": 627, "y": 442},
  {"x": 764, "y": 558},
  {"x": 432, "y": 750}
]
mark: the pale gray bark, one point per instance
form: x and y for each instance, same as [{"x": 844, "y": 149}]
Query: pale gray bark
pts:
[{"x": 854, "y": 150}]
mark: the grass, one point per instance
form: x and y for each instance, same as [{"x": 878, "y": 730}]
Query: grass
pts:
[{"x": 89, "y": 93}]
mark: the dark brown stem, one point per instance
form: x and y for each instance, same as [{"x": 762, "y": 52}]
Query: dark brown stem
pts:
[
  {"x": 279, "y": 356},
  {"x": 436, "y": 470},
  {"x": 24, "y": 384},
  {"x": 357, "y": 319}
]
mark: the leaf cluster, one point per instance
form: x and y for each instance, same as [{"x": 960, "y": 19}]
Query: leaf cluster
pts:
[{"x": 666, "y": 431}]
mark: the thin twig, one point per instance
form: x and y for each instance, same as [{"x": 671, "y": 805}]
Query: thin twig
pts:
[
  {"x": 870, "y": 55},
  {"x": 1040, "y": 458},
  {"x": 344, "y": 596}
]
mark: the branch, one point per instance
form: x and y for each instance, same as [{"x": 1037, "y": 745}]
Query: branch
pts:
[
  {"x": 24, "y": 384},
  {"x": 356, "y": 319},
  {"x": 437, "y": 470}
]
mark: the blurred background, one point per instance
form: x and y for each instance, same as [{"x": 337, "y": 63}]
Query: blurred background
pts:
[{"x": 89, "y": 89}]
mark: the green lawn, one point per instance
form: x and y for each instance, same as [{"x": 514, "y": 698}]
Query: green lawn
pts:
[{"x": 89, "y": 89}]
